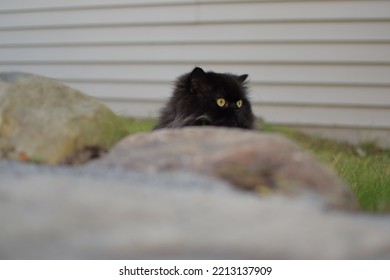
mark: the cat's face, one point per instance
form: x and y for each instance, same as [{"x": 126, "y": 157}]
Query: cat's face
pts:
[{"x": 221, "y": 99}]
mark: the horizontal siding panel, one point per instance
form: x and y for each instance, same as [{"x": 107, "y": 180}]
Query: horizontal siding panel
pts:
[
  {"x": 188, "y": 53},
  {"x": 261, "y": 73},
  {"x": 131, "y": 15},
  {"x": 137, "y": 109},
  {"x": 24, "y": 5},
  {"x": 350, "y": 96},
  {"x": 203, "y": 33},
  {"x": 324, "y": 116},
  {"x": 297, "y": 10},
  {"x": 185, "y": 14},
  {"x": 149, "y": 92}
]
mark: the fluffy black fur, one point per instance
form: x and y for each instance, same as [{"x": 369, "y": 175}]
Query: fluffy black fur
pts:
[{"x": 194, "y": 101}]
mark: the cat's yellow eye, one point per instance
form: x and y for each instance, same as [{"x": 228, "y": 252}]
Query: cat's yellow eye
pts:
[
  {"x": 239, "y": 103},
  {"x": 221, "y": 102}
]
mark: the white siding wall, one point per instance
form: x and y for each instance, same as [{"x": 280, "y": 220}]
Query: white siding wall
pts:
[{"x": 311, "y": 63}]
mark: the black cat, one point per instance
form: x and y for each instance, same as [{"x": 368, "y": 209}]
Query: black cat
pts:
[{"x": 208, "y": 98}]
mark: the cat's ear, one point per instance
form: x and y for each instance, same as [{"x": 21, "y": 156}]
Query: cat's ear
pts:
[
  {"x": 198, "y": 81},
  {"x": 242, "y": 78}
]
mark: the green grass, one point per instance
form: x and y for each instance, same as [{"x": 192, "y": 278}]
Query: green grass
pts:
[{"x": 366, "y": 167}]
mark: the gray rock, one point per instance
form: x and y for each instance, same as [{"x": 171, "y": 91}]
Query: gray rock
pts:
[
  {"x": 46, "y": 121},
  {"x": 265, "y": 163},
  {"x": 87, "y": 213}
]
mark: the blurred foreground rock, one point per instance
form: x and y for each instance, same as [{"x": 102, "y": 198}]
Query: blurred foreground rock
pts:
[
  {"x": 45, "y": 121},
  {"x": 265, "y": 163},
  {"x": 87, "y": 213}
]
